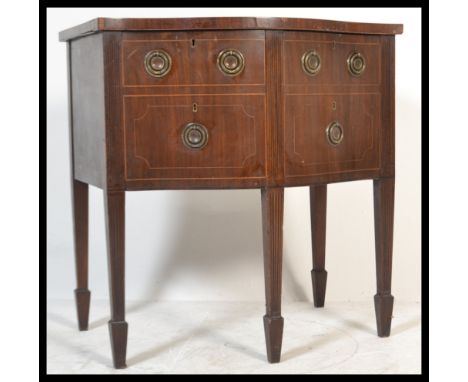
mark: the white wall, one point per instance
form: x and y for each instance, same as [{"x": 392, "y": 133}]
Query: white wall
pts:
[{"x": 206, "y": 245}]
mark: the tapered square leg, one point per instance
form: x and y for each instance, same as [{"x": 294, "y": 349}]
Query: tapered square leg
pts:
[
  {"x": 272, "y": 215},
  {"x": 383, "y": 313},
  {"x": 118, "y": 335},
  {"x": 318, "y": 223},
  {"x": 319, "y": 285},
  {"x": 80, "y": 228},
  {"x": 273, "y": 337},
  {"x": 383, "y": 221},
  {"x": 82, "y": 300},
  {"x": 115, "y": 225}
]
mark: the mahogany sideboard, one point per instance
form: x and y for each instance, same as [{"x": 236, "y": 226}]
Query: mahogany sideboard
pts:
[{"x": 214, "y": 103}]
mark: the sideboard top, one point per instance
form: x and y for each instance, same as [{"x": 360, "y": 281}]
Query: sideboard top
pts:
[{"x": 213, "y": 23}]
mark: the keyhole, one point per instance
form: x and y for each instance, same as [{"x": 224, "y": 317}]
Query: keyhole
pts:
[
  {"x": 334, "y": 105},
  {"x": 194, "y": 107},
  {"x": 193, "y": 43}
]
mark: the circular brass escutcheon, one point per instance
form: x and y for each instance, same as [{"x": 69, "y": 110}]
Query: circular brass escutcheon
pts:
[
  {"x": 356, "y": 63},
  {"x": 195, "y": 136},
  {"x": 230, "y": 62},
  {"x": 334, "y": 132},
  {"x": 158, "y": 63},
  {"x": 311, "y": 62}
]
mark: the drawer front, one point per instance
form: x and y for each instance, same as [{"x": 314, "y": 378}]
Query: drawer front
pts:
[
  {"x": 193, "y": 58},
  {"x": 194, "y": 137},
  {"x": 331, "y": 59},
  {"x": 331, "y": 133}
]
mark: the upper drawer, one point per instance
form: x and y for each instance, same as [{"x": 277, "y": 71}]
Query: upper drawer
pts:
[
  {"x": 193, "y": 58},
  {"x": 331, "y": 59}
]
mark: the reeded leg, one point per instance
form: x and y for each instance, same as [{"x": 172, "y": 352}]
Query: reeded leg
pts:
[
  {"x": 318, "y": 220},
  {"x": 115, "y": 225},
  {"x": 383, "y": 220},
  {"x": 80, "y": 227},
  {"x": 272, "y": 214}
]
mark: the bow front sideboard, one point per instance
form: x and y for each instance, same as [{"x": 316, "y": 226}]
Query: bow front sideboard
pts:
[{"x": 216, "y": 103}]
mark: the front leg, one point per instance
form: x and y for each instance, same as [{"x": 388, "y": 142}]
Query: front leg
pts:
[
  {"x": 115, "y": 219},
  {"x": 272, "y": 215},
  {"x": 383, "y": 221}
]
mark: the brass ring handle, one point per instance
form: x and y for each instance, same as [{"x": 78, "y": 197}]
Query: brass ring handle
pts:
[
  {"x": 158, "y": 63},
  {"x": 311, "y": 62},
  {"x": 195, "y": 136},
  {"x": 230, "y": 62},
  {"x": 334, "y": 133},
  {"x": 356, "y": 63}
]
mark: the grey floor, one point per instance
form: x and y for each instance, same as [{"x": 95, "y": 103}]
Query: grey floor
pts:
[{"x": 227, "y": 337}]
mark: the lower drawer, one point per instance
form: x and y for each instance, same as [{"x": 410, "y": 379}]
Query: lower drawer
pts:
[
  {"x": 194, "y": 137},
  {"x": 332, "y": 133}
]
